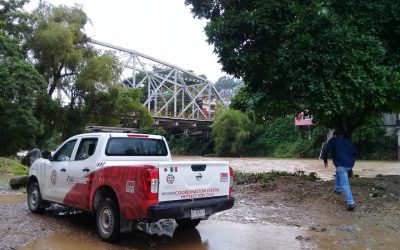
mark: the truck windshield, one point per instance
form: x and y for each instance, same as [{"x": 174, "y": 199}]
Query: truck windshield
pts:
[{"x": 122, "y": 146}]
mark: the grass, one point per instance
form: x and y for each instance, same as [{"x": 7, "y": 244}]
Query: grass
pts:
[
  {"x": 242, "y": 177},
  {"x": 12, "y": 166}
]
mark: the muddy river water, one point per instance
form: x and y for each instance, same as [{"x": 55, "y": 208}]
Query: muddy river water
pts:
[
  {"x": 254, "y": 164},
  {"x": 20, "y": 229}
]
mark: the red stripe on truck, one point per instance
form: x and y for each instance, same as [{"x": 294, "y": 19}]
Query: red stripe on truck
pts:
[{"x": 128, "y": 184}]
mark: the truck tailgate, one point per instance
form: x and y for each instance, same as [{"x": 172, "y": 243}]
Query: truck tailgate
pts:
[{"x": 182, "y": 180}]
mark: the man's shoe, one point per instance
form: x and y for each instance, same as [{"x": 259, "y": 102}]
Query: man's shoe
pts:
[
  {"x": 337, "y": 192},
  {"x": 351, "y": 207}
]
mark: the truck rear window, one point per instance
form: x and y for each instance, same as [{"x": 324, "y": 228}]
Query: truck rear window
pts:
[{"x": 122, "y": 146}]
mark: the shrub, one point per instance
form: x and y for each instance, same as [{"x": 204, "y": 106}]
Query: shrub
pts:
[
  {"x": 12, "y": 166},
  {"x": 284, "y": 139},
  {"x": 232, "y": 131},
  {"x": 264, "y": 177}
]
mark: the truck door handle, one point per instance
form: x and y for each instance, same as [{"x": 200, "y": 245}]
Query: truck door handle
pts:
[
  {"x": 199, "y": 167},
  {"x": 85, "y": 170},
  {"x": 63, "y": 170}
]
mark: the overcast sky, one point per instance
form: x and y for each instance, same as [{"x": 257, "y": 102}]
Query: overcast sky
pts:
[{"x": 164, "y": 29}]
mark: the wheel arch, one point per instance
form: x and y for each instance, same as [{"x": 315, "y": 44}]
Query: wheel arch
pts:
[
  {"x": 104, "y": 191},
  {"x": 31, "y": 180}
]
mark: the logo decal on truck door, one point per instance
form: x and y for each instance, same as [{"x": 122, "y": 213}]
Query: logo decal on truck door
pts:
[
  {"x": 170, "y": 178},
  {"x": 53, "y": 177}
]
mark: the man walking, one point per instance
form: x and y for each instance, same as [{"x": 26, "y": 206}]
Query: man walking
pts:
[{"x": 343, "y": 154}]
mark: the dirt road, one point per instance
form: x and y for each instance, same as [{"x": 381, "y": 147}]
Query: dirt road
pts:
[{"x": 375, "y": 224}]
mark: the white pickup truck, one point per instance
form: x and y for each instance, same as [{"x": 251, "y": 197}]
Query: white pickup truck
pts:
[{"x": 125, "y": 178}]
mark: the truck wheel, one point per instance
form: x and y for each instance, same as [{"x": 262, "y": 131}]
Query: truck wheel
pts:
[
  {"x": 107, "y": 220},
  {"x": 187, "y": 223},
  {"x": 35, "y": 202}
]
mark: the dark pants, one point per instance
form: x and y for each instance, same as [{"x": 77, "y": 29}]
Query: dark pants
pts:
[{"x": 350, "y": 173}]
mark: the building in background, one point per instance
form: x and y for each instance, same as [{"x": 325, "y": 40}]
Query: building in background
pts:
[{"x": 392, "y": 125}]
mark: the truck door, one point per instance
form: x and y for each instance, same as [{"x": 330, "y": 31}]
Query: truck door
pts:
[
  {"x": 56, "y": 176},
  {"x": 79, "y": 171}
]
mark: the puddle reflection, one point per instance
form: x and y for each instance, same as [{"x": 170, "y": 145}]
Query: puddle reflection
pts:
[{"x": 165, "y": 235}]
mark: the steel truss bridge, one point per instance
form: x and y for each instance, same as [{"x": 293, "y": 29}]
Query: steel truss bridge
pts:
[{"x": 175, "y": 97}]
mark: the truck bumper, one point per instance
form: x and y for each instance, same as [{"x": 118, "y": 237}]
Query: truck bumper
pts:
[{"x": 182, "y": 209}]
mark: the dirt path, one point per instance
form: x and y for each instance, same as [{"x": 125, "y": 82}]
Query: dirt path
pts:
[{"x": 375, "y": 224}]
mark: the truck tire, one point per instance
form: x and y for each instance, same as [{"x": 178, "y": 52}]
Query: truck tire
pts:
[
  {"x": 107, "y": 220},
  {"x": 35, "y": 203},
  {"x": 187, "y": 223}
]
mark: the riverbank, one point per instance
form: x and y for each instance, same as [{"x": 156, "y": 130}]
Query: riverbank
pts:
[{"x": 366, "y": 169}]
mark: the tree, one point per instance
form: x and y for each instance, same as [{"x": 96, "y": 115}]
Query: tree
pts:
[
  {"x": 228, "y": 87},
  {"x": 14, "y": 21},
  {"x": 129, "y": 104},
  {"x": 20, "y": 86},
  {"x": 339, "y": 59},
  {"x": 119, "y": 107},
  {"x": 231, "y": 130},
  {"x": 226, "y": 82},
  {"x": 85, "y": 80},
  {"x": 58, "y": 44},
  {"x": 18, "y": 95}
]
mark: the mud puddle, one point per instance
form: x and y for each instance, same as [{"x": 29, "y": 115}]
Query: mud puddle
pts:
[
  {"x": 356, "y": 235},
  {"x": 12, "y": 198},
  {"x": 209, "y": 234}
]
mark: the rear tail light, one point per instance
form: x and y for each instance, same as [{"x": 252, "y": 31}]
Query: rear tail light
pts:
[
  {"x": 151, "y": 183},
  {"x": 230, "y": 181}
]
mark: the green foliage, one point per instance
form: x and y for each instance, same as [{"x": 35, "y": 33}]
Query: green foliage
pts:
[
  {"x": 371, "y": 141},
  {"x": 19, "y": 91},
  {"x": 232, "y": 129},
  {"x": 88, "y": 79},
  {"x": 58, "y": 44},
  {"x": 226, "y": 82},
  {"x": 98, "y": 74},
  {"x": 20, "y": 84},
  {"x": 129, "y": 103},
  {"x": 14, "y": 21},
  {"x": 284, "y": 139},
  {"x": 182, "y": 145},
  {"x": 339, "y": 59},
  {"x": 21, "y": 171},
  {"x": 153, "y": 131},
  {"x": 117, "y": 107},
  {"x": 264, "y": 177},
  {"x": 12, "y": 166}
]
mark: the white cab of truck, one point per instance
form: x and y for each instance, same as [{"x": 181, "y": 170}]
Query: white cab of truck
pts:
[{"x": 129, "y": 177}]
